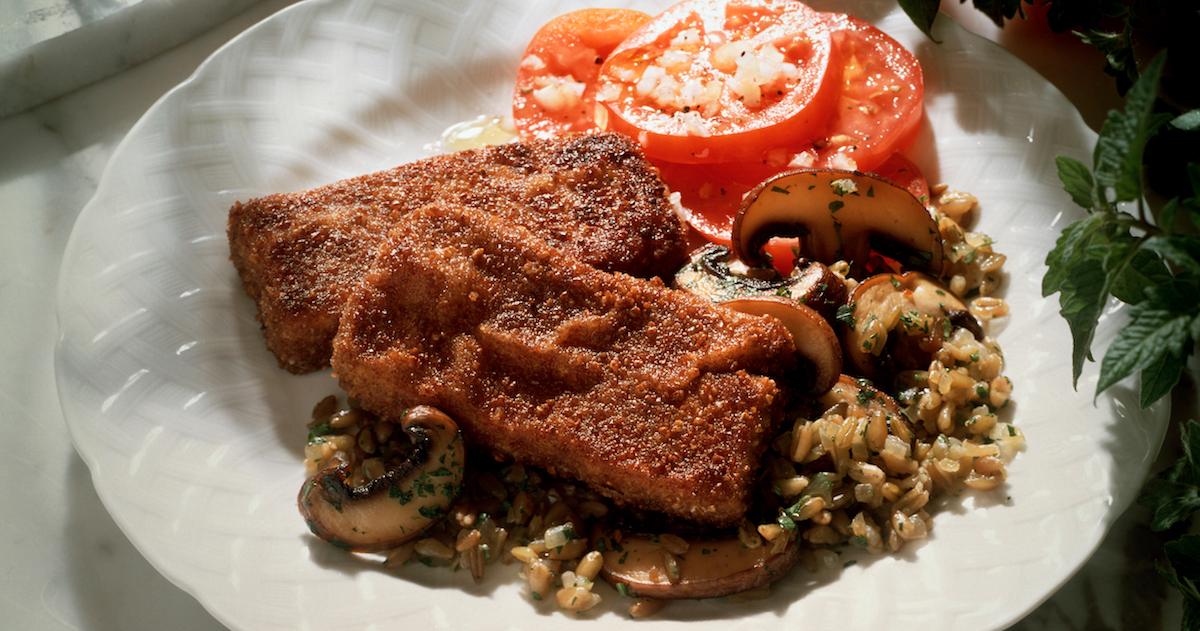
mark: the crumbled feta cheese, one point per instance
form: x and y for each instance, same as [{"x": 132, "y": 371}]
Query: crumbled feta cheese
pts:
[
  {"x": 558, "y": 93},
  {"x": 533, "y": 62}
]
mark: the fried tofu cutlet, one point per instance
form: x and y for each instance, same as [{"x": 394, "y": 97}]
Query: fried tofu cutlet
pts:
[
  {"x": 652, "y": 396},
  {"x": 594, "y": 197}
]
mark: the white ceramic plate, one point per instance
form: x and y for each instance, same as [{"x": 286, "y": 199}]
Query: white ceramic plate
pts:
[{"x": 194, "y": 437}]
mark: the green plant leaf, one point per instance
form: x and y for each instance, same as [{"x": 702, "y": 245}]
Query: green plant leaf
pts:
[
  {"x": 1188, "y": 121},
  {"x": 1077, "y": 180},
  {"x": 1117, "y": 48},
  {"x": 1118, "y": 155},
  {"x": 1070, "y": 249},
  {"x": 922, "y": 13},
  {"x": 1150, "y": 335},
  {"x": 1170, "y": 502},
  {"x": 1181, "y": 251},
  {"x": 1141, "y": 272},
  {"x": 997, "y": 10},
  {"x": 1160, "y": 377},
  {"x": 1183, "y": 565},
  {"x": 1080, "y": 301},
  {"x": 1173, "y": 495}
]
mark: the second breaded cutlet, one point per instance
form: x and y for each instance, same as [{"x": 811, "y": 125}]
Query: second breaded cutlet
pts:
[
  {"x": 594, "y": 197},
  {"x": 650, "y": 395}
]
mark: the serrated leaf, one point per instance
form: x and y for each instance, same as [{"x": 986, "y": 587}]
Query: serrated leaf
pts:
[
  {"x": 1181, "y": 251},
  {"x": 1173, "y": 495},
  {"x": 1191, "y": 615},
  {"x": 922, "y": 13},
  {"x": 1160, "y": 377},
  {"x": 1081, "y": 299},
  {"x": 1170, "y": 502},
  {"x": 998, "y": 10},
  {"x": 1070, "y": 249},
  {"x": 1143, "y": 342},
  {"x": 1180, "y": 295},
  {"x": 1076, "y": 179},
  {"x": 1117, "y": 48},
  {"x": 1183, "y": 559},
  {"x": 1117, "y": 159},
  {"x": 1141, "y": 272},
  {"x": 1168, "y": 214},
  {"x": 1187, "y": 121}
]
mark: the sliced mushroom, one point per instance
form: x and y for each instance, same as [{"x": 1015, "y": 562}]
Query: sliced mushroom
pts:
[
  {"x": 860, "y": 391},
  {"x": 899, "y": 322},
  {"x": 815, "y": 341},
  {"x": 714, "y": 274},
  {"x": 838, "y": 215},
  {"x": 409, "y": 497},
  {"x": 708, "y": 569}
]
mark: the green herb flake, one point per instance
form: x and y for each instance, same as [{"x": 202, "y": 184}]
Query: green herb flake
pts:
[
  {"x": 780, "y": 190},
  {"x": 401, "y": 496},
  {"x": 843, "y": 186},
  {"x": 845, "y": 314},
  {"x": 431, "y": 512},
  {"x": 836, "y": 205},
  {"x": 317, "y": 431}
]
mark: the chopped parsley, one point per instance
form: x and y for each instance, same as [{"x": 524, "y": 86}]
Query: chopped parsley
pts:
[{"x": 845, "y": 314}]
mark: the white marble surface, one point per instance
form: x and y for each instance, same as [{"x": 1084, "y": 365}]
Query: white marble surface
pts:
[
  {"x": 63, "y": 562},
  {"x": 50, "y": 47}
]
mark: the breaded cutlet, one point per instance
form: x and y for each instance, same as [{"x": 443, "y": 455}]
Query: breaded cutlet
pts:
[
  {"x": 594, "y": 197},
  {"x": 652, "y": 396}
]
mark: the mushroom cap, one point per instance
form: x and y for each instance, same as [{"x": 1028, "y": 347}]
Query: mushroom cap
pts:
[
  {"x": 709, "y": 568},
  {"x": 713, "y": 273},
  {"x": 925, "y": 307},
  {"x": 398, "y": 506},
  {"x": 814, "y": 339},
  {"x": 837, "y": 215}
]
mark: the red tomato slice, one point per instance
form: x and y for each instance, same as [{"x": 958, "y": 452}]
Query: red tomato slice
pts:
[
  {"x": 903, "y": 173},
  {"x": 720, "y": 81},
  {"x": 555, "y": 89},
  {"x": 881, "y": 97},
  {"x": 711, "y": 193}
]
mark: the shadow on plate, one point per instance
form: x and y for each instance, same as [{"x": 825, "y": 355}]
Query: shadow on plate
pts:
[{"x": 112, "y": 587}]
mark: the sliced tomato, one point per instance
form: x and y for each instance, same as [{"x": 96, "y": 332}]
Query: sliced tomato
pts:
[
  {"x": 880, "y": 100},
  {"x": 903, "y": 173},
  {"x": 556, "y": 80},
  {"x": 720, "y": 81},
  {"x": 710, "y": 193}
]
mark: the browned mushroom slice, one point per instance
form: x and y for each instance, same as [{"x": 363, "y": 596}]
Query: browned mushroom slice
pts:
[
  {"x": 838, "y": 215},
  {"x": 708, "y": 569},
  {"x": 899, "y": 322},
  {"x": 814, "y": 339},
  {"x": 397, "y": 506},
  {"x": 860, "y": 391},
  {"x": 713, "y": 273}
]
